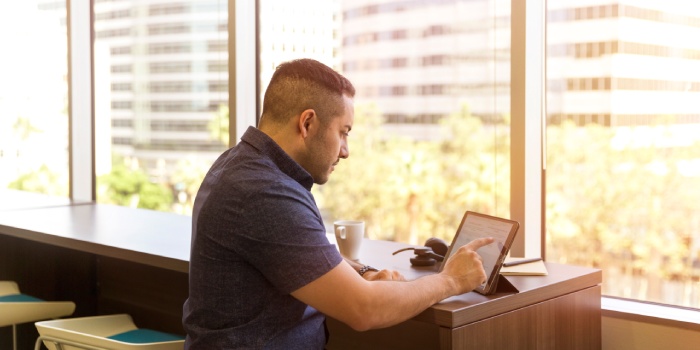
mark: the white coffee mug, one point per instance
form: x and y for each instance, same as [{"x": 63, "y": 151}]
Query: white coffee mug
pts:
[{"x": 348, "y": 235}]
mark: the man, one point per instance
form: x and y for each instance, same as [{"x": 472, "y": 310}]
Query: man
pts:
[{"x": 262, "y": 272}]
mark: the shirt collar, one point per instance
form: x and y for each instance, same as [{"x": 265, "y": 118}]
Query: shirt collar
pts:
[{"x": 268, "y": 147}]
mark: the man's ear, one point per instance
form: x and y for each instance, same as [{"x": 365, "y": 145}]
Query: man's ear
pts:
[{"x": 306, "y": 119}]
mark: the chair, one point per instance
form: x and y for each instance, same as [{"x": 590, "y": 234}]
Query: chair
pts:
[
  {"x": 17, "y": 308},
  {"x": 112, "y": 332}
]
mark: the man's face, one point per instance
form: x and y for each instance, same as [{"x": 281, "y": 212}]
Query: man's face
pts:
[{"x": 330, "y": 144}]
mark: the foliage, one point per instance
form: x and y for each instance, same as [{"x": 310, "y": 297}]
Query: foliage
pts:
[
  {"x": 43, "y": 180},
  {"x": 131, "y": 186},
  {"x": 615, "y": 203},
  {"x": 24, "y": 128},
  {"x": 186, "y": 180},
  {"x": 408, "y": 190},
  {"x": 219, "y": 125}
]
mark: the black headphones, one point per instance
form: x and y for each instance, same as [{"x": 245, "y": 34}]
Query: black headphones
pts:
[{"x": 434, "y": 251}]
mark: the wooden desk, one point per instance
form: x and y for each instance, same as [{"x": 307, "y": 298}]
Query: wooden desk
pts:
[
  {"x": 557, "y": 311},
  {"x": 111, "y": 259}
]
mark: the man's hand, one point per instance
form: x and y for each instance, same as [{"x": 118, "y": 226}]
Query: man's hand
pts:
[
  {"x": 465, "y": 268},
  {"x": 364, "y": 306},
  {"x": 383, "y": 275}
]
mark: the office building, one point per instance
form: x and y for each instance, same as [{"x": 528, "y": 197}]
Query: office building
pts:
[
  {"x": 168, "y": 65},
  {"x": 165, "y": 67},
  {"x": 603, "y": 59},
  {"x": 298, "y": 29},
  {"x": 420, "y": 61}
]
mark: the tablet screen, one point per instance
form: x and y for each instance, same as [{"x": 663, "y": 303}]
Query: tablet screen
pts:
[{"x": 476, "y": 225}]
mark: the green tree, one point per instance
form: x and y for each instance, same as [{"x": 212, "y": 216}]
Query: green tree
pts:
[
  {"x": 619, "y": 201},
  {"x": 407, "y": 190},
  {"x": 186, "y": 181},
  {"x": 24, "y": 128},
  {"x": 219, "y": 125},
  {"x": 43, "y": 180},
  {"x": 132, "y": 187}
]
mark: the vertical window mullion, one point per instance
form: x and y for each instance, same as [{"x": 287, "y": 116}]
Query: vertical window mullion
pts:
[
  {"x": 242, "y": 67},
  {"x": 527, "y": 125},
  {"x": 81, "y": 100}
]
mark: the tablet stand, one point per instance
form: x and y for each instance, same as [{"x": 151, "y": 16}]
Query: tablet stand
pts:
[{"x": 504, "y": 286}]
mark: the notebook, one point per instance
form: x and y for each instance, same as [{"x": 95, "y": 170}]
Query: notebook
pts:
[
  {"x": 476, "y": 225},
  {"x": 535, "y": 268}
]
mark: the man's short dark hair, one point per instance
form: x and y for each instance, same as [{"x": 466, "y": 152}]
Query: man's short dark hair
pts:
[{"x": 305, "y": 84}]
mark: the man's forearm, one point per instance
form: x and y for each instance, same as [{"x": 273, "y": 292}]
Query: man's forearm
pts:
[{"x": 388, "y": 303}]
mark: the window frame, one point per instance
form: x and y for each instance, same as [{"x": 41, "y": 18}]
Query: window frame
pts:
[
  {"x": 528, "y": 168},
  {"x": 81, "y": 97}
]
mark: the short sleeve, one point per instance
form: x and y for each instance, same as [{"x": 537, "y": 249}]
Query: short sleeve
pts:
[{"x": 286, "y": 241}]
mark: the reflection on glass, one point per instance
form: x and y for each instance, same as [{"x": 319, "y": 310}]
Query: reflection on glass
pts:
[
  {"x": 623, "y": 152},
  {"x": 431, "y": 133},
  {"x": 33, "y": 97},
  {"x": 161, "y": 99}
]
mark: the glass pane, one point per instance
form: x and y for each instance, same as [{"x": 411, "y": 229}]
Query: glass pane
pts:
[
  {"x": 431, "y": 133},
  {"x": 161, "y": 99},
  {"x": 34, "y": 97},
  {"x": 623, "y": 145}
]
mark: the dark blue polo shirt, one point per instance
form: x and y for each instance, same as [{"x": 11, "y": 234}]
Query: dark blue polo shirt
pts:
[{"x": 257, "y": 235}]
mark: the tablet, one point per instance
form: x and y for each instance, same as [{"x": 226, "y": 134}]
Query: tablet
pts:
[{"x": 476, "y": 225}]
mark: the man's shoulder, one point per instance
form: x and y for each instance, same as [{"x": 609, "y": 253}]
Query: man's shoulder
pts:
[
  {"x": 242, "y": 162},
  {"x": 252, "y": 178}
]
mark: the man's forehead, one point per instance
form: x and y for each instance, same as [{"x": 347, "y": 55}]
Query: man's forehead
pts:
[{"x": 349, "y": 116}]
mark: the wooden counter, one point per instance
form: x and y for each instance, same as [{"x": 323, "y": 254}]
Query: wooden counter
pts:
[
  {"x": 111, "y": 259},
  {"x": 142, "y": 236},
  {"x": 557, "y": 311}
]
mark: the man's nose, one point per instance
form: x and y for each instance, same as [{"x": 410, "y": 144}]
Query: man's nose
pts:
[{"x": 344, "y": 151}]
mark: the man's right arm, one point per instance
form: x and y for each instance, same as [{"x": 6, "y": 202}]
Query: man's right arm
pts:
[{"x": 364, "y": 305}]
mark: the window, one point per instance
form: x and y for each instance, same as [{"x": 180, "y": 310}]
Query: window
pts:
[
  {"x": 169, "y": 113},
  {"x": 120, "y": 50},
  {"x": 622, "y": 163},
  {"x": 167, "y": 28},
  {"x": 169, "y": 48},
  {"x": 121, "y": 68},
  {"x": 170, "y": 67},
  {"x": 431, "y": 130},
  {"x": 33, "y": 97},
  {"x": 623, "y": 167},
  {"x": 167, "y": 9}
]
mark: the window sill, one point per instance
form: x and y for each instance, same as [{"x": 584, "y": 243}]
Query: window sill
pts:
[{"x": 633, "y": 310}]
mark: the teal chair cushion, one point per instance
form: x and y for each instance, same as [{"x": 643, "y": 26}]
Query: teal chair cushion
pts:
[
  {"x": 18, "y": 298},
  {"x": 143, "y": 335}
]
